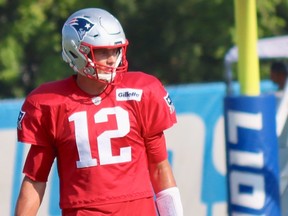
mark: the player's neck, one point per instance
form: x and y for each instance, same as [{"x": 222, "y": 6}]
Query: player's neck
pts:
[{"x": 89, "y": 86}]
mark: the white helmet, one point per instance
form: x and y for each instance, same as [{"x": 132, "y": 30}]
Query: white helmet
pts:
[{"x": 89, "y": 29}]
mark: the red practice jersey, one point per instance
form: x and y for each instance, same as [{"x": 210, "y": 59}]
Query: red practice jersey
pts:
[{"x": 98, "y": 141}]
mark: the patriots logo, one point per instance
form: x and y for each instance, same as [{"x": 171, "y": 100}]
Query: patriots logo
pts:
[{"x": 81, "y": 25}]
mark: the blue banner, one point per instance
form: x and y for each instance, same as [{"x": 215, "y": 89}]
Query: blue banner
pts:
[{"x": 252, "y": 156}]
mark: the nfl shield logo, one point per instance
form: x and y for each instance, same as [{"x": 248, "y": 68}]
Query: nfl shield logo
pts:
[{"x": 20, "y": 118}]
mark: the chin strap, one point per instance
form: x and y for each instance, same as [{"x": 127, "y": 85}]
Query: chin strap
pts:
[{"x": 169, "y": 202}]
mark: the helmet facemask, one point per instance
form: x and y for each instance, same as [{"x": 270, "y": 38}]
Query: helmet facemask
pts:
[{"x": 104, "y": 73}]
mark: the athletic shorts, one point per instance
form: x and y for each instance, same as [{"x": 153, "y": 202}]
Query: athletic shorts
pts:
[{"x": 140, "y": 207}]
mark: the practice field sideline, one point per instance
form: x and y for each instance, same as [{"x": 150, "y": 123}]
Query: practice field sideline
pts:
[{"x": 196, "y": 147}]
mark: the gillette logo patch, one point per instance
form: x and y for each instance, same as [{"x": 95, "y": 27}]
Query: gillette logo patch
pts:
[{"x": 126, "y": 94}]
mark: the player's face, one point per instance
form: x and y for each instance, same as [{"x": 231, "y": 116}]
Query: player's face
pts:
[{"x": 106, "y": 57}]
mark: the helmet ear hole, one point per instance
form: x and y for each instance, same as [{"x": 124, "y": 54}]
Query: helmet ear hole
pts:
[{"x": 73, "y": 54}]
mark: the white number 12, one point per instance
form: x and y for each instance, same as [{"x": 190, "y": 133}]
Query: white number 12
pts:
[{"x": 103, "y": 140}]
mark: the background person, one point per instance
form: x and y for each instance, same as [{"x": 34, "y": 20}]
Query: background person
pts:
[{"x": 278, "y": 74}]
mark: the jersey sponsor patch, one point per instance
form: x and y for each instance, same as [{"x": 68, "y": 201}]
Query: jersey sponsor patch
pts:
[
  {"x": 125, "y": 94},
  {"x": 20, "y": 118},
  {"x": 169, "y": 103}
]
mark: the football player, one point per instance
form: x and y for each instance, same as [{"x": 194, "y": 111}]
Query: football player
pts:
[{"x": 103, "y": 125}]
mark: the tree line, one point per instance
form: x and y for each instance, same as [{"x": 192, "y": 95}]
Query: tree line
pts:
[{"x": 178, "y": 41}]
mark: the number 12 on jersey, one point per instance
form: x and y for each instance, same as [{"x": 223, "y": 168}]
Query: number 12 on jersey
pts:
[{"x": 103, "y": 140}]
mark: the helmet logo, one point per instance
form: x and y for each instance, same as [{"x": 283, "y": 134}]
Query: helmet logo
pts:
[{"x": 81, "y": 25}]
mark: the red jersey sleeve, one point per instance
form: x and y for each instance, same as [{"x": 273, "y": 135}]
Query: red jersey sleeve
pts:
[
  {"x": 158, "y": 113},
  {"x": 32, "y": 126},
  {"x": 39, "y": 162},
  {"x": 156, "y": 148}
]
